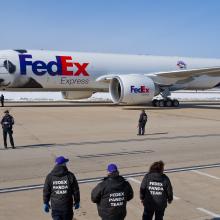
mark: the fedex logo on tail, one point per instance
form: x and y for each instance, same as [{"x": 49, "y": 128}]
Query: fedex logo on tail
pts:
[
  {"x": 61, "y": 66},
  {"x": 141, "y": 89}
]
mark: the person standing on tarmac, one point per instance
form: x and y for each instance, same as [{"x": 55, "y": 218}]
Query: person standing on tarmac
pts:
[
  {"x": 111, "y": 195},
  {"x": 7, "y": 123},
  {"x": 60, "y": 187},
  {"x": 155, "y": 191},
  {"x": 2, "y": 98},
  {"x": 142, "y": 122}
]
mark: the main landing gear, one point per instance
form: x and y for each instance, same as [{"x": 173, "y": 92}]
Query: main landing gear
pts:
[{"x": 165, "y": 103}]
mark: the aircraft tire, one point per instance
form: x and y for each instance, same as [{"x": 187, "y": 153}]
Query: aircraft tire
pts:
[
  {"x": 161, "y": 103},
  {"x": 176, "y": 103},
  {"x": 154, "y": 103},
  {"x": 168, "y": 103},
  {"x": 157, "y": 103}
]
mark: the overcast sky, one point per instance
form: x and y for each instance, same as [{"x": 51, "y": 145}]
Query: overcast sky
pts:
[{"x": 158, "y": 27}]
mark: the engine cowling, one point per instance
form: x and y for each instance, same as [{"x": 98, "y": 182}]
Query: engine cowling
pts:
[
  {"x": 76, "y": 94},
  {"x": 132, "y": 89}
]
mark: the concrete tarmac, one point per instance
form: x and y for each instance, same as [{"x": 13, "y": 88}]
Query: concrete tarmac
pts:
[{"x": 93, "y": 135}]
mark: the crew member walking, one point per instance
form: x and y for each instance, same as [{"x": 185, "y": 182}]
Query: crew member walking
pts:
[
  {"x": 112, "y": 194},
  {"x": 7, "y": 123},
  {"x": 60, "y": 187},
  {"x": 2, "y": 98},
  {"x": 155, "y": 191},
  {"x": 142, "y": 122}
]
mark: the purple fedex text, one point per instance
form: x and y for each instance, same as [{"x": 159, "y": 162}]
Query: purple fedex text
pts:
[
  {"x": 59, "y": 67},
  {"x": 141, "y": 89}
]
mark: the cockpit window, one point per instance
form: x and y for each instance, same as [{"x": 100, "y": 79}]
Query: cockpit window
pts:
[{"x": 21, "y": 51}]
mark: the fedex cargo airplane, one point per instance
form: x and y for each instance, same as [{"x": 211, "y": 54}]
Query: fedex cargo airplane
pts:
[{"x": 130, "y": 79}]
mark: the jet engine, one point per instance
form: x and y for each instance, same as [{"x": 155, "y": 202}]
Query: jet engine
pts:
[{"x": 132, "y": 89}]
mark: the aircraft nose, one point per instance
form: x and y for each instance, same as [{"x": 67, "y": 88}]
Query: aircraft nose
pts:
[
  {"x": 5, "y": 80},
  {"x": 4, "y": 83}
]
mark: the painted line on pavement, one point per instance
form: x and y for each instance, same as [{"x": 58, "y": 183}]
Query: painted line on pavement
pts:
[
  {"x": 206, "y": 174},
  {"x": 176, "y": 198},
  {"x": 98, "y": 179},
  {"x": 208, "y": 212}
]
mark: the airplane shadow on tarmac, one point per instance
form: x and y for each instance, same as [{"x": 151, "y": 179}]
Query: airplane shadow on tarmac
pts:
[
  {"x": 195, "y": 105},
  {"x": 32, "y": 146},
  {"x": 192, "y": 105},
  {"x": 201, "y": 105},
  {"x": 146, "y": 137}
]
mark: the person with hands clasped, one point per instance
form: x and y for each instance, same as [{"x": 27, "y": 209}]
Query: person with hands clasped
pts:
[
  {"x": 7, "y": 123},
  {"x": 142, "y": 123}
]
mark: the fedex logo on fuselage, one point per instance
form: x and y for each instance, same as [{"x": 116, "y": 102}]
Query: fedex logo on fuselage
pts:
[
  {"x": 141, "y": 89},
  {"x": 61, "y": 66}
]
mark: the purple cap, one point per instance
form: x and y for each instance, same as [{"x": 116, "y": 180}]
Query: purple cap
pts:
[
  {"x": 112, "y": 168},
  {"x": 61, "y": 160}
]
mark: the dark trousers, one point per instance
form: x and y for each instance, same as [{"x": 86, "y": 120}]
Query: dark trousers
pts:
[
  {"x": 62, "y": 215},
  {"x": 2, "y": 102},
  {"x": 141, "y": 128},
  {"x": 149, "y": 213},
  {"x": 9, "y": 132}
]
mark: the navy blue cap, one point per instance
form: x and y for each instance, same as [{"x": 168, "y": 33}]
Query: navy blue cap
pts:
[
  {"x": 61, "y": 160},
  {"x": 112, "y": 168}
]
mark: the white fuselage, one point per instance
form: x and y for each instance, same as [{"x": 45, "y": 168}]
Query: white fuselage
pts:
[{"x": 67, "y": 71}]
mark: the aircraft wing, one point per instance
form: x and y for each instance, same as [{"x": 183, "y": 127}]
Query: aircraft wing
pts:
[
  {"x": 170, "y": 78},
  {"x": 186, "y": 75},
  {"x": 106, "y": 78}
]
